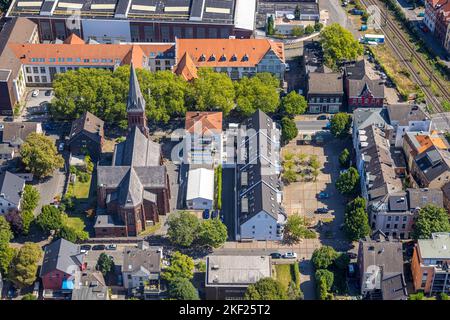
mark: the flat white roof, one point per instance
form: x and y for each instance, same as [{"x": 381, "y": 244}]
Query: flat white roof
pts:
[
  {"x": 245, "y": 12},
  {"x": 200, "y": 184}
]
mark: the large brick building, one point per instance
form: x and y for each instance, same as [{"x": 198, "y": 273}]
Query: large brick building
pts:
[{"x": 135, "y": 189}]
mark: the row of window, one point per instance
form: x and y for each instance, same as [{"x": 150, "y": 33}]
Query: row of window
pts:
[
  {"x": 85, "y": 60},
  {"x": 324, "y": 100}
]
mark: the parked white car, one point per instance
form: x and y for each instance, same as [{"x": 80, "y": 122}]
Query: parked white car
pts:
[
  {"x": 35, "y": 93},
  {"x": 290, "y": 255}
]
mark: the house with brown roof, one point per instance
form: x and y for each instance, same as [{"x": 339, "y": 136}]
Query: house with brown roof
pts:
[
  {"x": 203, "y": 138},
  {"x": 87, "y": 136},
  {"x": 325, "y": 92},
  {"x": 237, "y": 57}
]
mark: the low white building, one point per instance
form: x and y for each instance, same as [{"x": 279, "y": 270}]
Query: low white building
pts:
[{"x": 200, "y": 189}]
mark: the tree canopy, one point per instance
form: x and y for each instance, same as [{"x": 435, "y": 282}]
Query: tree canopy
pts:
[
  {"x": 293, "y": 104},
  {"x": 105, "y": 264},
  {"x": 183, "y": 228},
  {"x": 344, "y": 158},
  {"x": 30, "y": 198},
  {"x": 339, "y": 44},
  {"x": 50, "y": 219},
  {"x": 5, "y": 231},
  {"x": 340, "y": 124},
  {"x": 25, "y": 264},
  {"x": 6, "y": 252},
  {"x": 181, "y": 266},
  {"x": 266, "y": 289},
  {"x": 356, "y": 220},
  {"x": 348, "y": 182},
  {"x": 288, "y": 129},
  {"x": 296, "y": 229},
  {"x": 431, "y": 219},
  {"x": 182, "y": 289},
  {"x": 213, "y": 233},
  {"x": 39, "y": 155},
  {"x": 323, "y": 257},
  {"x": 212, "y": 91},
  {"x": 257, "y": 92}
]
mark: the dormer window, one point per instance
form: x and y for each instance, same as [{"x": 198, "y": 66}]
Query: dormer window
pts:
[
  {"x": 233, "y": 57},
  {"x": 245, "y": 57},
  {"x": 212, "y": 58},
  {"x": 202, "y": 57},
  {"x": 223, "y": 57}
]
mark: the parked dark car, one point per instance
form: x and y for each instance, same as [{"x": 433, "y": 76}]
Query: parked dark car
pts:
[
  {"x": 85, "y": 247},
  {"x": 276, "y": 255},
  {"x": 215, "y": 214},
  {"x": 352, "y": 255},
  {"x": 322, "y": 117},
  {"x": 99, "y": 247},
  {"x": 48, "y": 93},
  {"x": 323, "y": 195},
  {"x": 322, "y": 210},
  {"x": 12, "y": 293},
  {"x": 206, "y": 214}
]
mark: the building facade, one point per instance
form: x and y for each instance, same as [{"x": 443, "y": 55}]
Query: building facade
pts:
[{"x": 325, "y": 92}]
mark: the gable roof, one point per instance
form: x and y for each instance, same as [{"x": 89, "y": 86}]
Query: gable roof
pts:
[
  {"x": 73, "y": 39},
  {"x": 186, "y": 68},
  {"x": 209, "y": 121},
  {"x": 91, "y": 125},
  {"x": 17, "y": 132},
  {"x": 325, "y": 83},
  {"x": 11, "y": 187},
  {"x": 404, "y": 113},
  {"x": 200, "y": 184},
  {"x": 363, "y": 117},
  {"x": 359, "y": 88},
  {"x": 234, "y": 52},
  {"x": 62, "y": 255}
]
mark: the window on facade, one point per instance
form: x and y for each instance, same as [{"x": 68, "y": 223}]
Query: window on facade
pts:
[
  {"x": 395, "y": 226},
  {"x": 189, "y": 32},
  {"x": 44, "y": 79},
  {"x": 134, "y": 30},
  {"x": 201, "y": 33},
  {"x": 28, "y": 69},
  {"x": 397, "y": 218},
  {"x": 389, "y": 218},
  {"x": 30, "y": 79},
  {"x": 35, "y": 70},
  {"x": 149, "y": 33},
  {"x": 36, "y": 79},
  {"x": 167, "y": 62},
  {"x": 165, "y": 34},
  {"x": 388, "y": 226}
]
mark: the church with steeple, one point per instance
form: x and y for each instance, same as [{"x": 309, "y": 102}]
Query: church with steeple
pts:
[
  {"x": 136, "y": 104},
  {"x": 135, "y": 189}
]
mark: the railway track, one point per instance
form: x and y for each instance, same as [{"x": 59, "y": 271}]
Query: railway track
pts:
[{"x": 405, "y": 56}]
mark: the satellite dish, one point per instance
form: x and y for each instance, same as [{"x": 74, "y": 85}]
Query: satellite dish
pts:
[{"x": 290, "y": 16}]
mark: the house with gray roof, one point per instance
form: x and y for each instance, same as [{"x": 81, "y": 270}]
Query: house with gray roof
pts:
[
  {"x": 395, "y": 213},
  {"x": 90, "y": 285},
  {"x": 360, "y": 90},
  {"x": 431, "y": 168},
  {"x": 228, "y": 277},
  {"x": 405, "y": 118},
  {"x": 11, "y": 191},
  {"x": 260, "y": 215},
  {"x": 380, "y": 263},
  {"x": 135, "y": 189},
  {"x": 141, "y": 270},
  {"x": 325, "y": 92},
  {"x": 62, "y": 260},
  {"x": 87, "y": 136}
]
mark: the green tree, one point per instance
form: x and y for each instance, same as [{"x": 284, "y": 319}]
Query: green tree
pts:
[
  {"x": 340, "y": 124},
  {"x": 289, "y": 176},
  {"x": 270, "y": 25},
  {"x": 344, "y": 158},
  {"x": 39, "y": 155},
  {"x": 288, "y": 129},
  {"x": 309, "y": 29},
  {"x": 348, "y": 182},
  {"x": 27, "y": 219},
  {"x": 339, "y": 44},
  {"x": 182, "y": 228},
  {"x": 323, "y": 257},
  {"x": 342, "y": 261},
  {"x": 296, "y": 229},
  {"x": 293, "y": 104},
  {"x": 211, "y": 91},
  {"x": 181, "y": 266},
  {"x": 324, "y": 281},
  {"x": 30, "y": 198},
  {"x": 443, "y": 296},
  {"x": 258, "y": 92},
  {"x": 4, "y": 4},
  {"x": 356, "y": 220},
  {"x": 29, "y": 296},
  {"x": 105, "y": 264},
  {"x": 5, "y": 231},
  {"x": 50, "y": 219},
  {"x": 212, "y": 233},
  {"x": 7, "y": 254},
  {"x": 182, "y": 289},
  {"x": 416, "y": 296},
  {"x": 318, "y": 26},
  {"x": 25, "y": 264},
  {"x": 266, "y": 289},
  {"x": 67, "y": 233},
  {"x": 298, "y": 31},
  {"x": 431, "y": 219}
]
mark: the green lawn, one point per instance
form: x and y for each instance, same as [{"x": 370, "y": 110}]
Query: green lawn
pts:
[
  {"x": 75, "y": 223},
  {"x": 283, "y": 274},
  {"x": 150, "y": 230},
  {"x": 80, "y": 190}
]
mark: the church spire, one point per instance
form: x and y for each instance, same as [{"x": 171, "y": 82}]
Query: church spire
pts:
[{"x": 136, "y": 104}]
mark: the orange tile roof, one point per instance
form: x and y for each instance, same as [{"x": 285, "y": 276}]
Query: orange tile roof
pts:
[
  {"x": 237, "y": 52},
  {"x": 74, "y": 39},
  {"x": 427, "y": 141},
  {"x": 108, "y": 52},
  {"x": 186, "y": 68},
  {"x": 210, "y": 121}
]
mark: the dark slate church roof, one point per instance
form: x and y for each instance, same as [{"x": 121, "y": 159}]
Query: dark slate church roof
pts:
[
  {"x": 135, "y": 101},
  {"x": 90, "y": 125}
]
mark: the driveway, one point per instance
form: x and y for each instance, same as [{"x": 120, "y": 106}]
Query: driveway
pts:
[{"x": 228, "y": 201}]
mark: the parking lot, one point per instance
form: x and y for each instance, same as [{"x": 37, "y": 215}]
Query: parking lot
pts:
[{"x": 36, "y": 106}]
